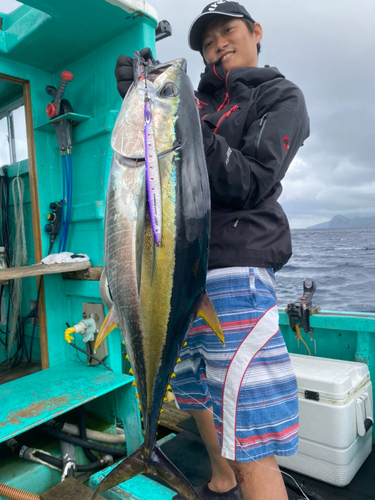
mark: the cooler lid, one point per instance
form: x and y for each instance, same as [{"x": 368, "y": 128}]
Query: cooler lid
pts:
[{"x": 331, "y": 378}]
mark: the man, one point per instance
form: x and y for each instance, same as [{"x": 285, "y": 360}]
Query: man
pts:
[{"x": 243, "y": 397}]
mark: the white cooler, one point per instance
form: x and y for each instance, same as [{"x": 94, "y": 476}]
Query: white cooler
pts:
[{"x": 335, "y": 407}]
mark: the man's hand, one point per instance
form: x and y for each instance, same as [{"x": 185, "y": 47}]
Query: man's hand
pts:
[{"x": 124, "y": 70}]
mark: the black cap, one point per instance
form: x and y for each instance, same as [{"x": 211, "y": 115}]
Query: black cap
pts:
[{"x": 212, "y": 10}]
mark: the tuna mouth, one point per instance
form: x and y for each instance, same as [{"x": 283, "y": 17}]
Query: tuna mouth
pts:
[{"x": 135, "y": 161}]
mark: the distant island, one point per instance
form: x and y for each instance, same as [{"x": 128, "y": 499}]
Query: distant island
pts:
[{"x": 339, "y": 222}]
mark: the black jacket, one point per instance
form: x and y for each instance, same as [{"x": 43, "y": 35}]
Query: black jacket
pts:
[{"x": 254, "y": 122}]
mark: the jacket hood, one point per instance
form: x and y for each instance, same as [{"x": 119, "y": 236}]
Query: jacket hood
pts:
[{"x": 214, "y": 77}]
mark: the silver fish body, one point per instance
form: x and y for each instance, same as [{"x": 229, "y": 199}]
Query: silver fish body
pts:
[{"x": 156, "y": 290}]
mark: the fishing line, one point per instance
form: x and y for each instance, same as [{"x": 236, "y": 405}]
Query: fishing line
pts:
[{"x": 253, "y": 460}]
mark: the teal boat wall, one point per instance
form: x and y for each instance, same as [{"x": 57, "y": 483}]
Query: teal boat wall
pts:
[{"x": 39, "y": 41}]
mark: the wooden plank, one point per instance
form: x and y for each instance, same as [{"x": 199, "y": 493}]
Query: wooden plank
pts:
[
  {"x": 172, "y": 416},
  {"x": 90, "y": 274},
  {"x": 33, "y": 400},
  {"x": 69, "y": 489},
  {"x": 12, "y": 273},
  {"x": 37, "y": 232}
]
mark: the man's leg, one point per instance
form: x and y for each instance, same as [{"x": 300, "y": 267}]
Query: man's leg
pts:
[
  {"x": 223, "y": 478},
  {"x": 261, "y": 480}
]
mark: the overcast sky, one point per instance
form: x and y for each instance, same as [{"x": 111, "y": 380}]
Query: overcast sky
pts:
[{"x": 327, "y": 48}]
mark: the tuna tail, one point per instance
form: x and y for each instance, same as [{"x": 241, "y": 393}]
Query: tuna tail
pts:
[{"x": 157, "y": 464}]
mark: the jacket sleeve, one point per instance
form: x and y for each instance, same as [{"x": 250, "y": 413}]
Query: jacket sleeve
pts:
[{"x": 241, "y": 178}]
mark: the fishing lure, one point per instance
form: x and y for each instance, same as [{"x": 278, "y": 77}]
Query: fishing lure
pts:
[{"x": 152, "y": 170}]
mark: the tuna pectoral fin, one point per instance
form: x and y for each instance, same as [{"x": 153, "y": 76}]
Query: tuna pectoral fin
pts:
[
  {"x": 109, "y": 324},
  {"x": 158, "y": 464},
  {"x": 207, "y": 312}
]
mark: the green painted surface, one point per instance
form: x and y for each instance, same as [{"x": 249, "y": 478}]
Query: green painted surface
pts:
[
  {"x": 86, "y": 41},
  {"x": 60, "y": 32},
  {"x": 28, "y": 402},
  {"x": 137, "y": 488},
  {"x": 37, "y": 478}
]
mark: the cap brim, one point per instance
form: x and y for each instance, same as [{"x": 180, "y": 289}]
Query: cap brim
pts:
[{"x": 199, "y": 25}]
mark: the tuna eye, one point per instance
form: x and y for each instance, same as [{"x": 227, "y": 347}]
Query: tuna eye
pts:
[{"x": 169, "y": 90}]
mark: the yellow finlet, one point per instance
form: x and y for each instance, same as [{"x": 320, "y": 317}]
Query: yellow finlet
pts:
[
  {"x": 139, "y": 407},
  {"x": 207, "y": 312},
  {"x": 109, "y": 324},
  {"x": 178, "y": 360},
  {"x": 127, "y": 357},
  {"x": 161, "y": 411},
  {"x": 137, "y": 396},
  {"x": 134, "y": 383},
  {"x": 130, "y": 371},
  {"x": 169, "y": 388},
  {"x": 165, "y": 400},
  {"x": 184, "y": 344}
]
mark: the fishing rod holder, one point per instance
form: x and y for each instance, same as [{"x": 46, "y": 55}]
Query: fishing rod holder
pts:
[
  {"x": 299, "y": 312},
  {"x": 60, "y": 107}
]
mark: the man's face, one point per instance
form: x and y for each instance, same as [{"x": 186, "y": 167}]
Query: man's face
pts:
[{"x": 229, "y": 39}]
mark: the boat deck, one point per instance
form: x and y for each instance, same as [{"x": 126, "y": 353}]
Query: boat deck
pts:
[{"x": 188, "y": 453}]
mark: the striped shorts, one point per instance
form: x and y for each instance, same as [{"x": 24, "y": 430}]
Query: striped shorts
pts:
[{"x": 250, "y": 382}]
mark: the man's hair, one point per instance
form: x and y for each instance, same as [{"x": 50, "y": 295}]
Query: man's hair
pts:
[{"x": 250, "y": 27}]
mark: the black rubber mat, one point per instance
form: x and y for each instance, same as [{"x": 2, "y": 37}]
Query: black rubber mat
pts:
[{"x": 189, "y": 454}]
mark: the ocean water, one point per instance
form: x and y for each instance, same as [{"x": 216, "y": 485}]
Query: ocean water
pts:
[{"x": 340, "y": 261}]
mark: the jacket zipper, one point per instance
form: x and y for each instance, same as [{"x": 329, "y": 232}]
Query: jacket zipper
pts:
[
  {"x": 226, "y": 100},
  {"x": 236, "y": 222},
  {"x": 225, "y": 116},
  {"x": 262, "y": 124}
]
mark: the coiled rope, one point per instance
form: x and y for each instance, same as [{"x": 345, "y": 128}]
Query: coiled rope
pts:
[{"x": 15, "y": 494}]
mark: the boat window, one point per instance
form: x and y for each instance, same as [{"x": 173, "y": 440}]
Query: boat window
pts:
[
  {"x": 4, "y": 147},
  {"x": 13, "y": 141}
]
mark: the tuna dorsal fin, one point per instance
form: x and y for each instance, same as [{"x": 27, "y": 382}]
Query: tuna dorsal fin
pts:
[
  {"x": 140, "y": 232},
  {"x": 207, "y": 311},
  {"x": 157, "y": 464},
  {"x": 110, "y": 323}
]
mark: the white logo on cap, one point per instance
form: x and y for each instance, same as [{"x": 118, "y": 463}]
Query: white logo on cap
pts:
[{"x": 215, "y": 5}]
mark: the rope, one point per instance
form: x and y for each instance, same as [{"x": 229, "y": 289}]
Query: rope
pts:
[
  {"x": 15, "y": 494},
  {"x": 299, "y": 336},
  {"x": 19, "y": 256}
]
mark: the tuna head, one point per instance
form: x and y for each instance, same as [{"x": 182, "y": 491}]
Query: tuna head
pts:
[{"x": 163, "y": 83}]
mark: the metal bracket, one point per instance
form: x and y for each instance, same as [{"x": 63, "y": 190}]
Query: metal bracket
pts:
[
  {"x": 163, "y": 30},
  {"x": 299, "y": 312}
]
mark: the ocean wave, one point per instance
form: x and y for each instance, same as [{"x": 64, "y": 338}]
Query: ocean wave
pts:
[{"x": 342, "y": 264}]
